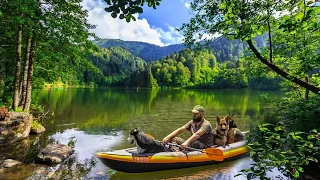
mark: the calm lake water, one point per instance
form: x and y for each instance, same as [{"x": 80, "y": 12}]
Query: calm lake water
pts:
[{"x": 95, "y": 119}]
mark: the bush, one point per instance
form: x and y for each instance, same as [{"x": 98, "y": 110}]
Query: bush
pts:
[
  {"x": 274, "y": 146},
  {"x": 289, "y": 141}
]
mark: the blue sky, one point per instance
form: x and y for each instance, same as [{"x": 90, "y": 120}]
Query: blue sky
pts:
[
  {"x": 170, "y": 12},
  {"x": 153, "y": 26}
]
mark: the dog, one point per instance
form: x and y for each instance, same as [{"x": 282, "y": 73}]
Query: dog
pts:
[
  {"x": 144, "y": 143},
  {"x": 220, "y": 133},
  {"x": 234, "y": 134}
]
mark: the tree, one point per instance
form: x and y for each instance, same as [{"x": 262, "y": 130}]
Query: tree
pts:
[
  {"x": 242, "y": 20},
  {"x": 52, "y": 33}
]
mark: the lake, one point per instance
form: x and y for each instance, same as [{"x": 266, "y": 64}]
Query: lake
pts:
[{"x": 91, "y": 120}]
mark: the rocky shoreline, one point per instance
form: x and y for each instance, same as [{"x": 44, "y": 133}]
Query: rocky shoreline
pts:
[{"x": 13, "y": 133}]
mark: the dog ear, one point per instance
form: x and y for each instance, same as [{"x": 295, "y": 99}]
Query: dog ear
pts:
[
  {"x": 228, "y": 119},
  {"x": 218, "y": 119}
]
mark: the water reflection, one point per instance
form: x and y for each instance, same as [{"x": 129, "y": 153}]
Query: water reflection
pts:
[
  {"x": 85, "y": 145},
  {"x": 94, "y": 119}
]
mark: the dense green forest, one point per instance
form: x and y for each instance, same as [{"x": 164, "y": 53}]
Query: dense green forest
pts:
[
  {"x": 185, "y": 69},
  {"x": 200, "y": 69},
  {"x": 115, "y": 65}
]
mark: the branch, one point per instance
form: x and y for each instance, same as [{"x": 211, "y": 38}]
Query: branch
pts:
[
  {"x": 270, "y": 43},
  {"x": 282, "y": 72}
]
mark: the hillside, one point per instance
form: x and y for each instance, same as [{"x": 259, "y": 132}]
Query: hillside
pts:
[
  {"x": 146, "y": 51},
  {"x": 115, "y": 64},
  {"x": 222, "y": 48}
]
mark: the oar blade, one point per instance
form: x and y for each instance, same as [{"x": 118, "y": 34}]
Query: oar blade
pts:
[{"x": 214, "y": 153}]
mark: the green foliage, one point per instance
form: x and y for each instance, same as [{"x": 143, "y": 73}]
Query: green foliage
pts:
[
  {"x": 275, "y": 146},
  {"x": 298, "y": 114},
  {"x": 35, "y": 124},
  {"x": 231, "y": 78},
  {"x": 126, "y": 9},
  {"x": 259, "y": 75},
  {"x": 60, "y": 32},
  {"x": 115, "y": 65}
]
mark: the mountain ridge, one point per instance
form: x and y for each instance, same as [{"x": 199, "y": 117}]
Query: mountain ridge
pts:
[{"x": 223, "y": 48}]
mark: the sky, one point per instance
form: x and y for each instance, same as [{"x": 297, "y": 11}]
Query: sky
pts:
[{"x": 152, "y": 26}]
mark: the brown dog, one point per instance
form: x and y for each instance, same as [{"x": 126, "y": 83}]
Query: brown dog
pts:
[
  {"x": 234, "y": 134},
  {"x": 220, "y": 133}
]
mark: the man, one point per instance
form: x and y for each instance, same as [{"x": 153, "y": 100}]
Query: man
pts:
[{"x": 200, "y": 129}]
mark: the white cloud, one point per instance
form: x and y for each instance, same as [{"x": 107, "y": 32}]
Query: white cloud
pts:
[
  {"x": 170, "y": 37},
  {"x": 139, "y": 30},
  {"x": 187, "y": 5}
]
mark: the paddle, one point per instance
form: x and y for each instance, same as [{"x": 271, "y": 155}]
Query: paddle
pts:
[{"x": 211, "y": 151}]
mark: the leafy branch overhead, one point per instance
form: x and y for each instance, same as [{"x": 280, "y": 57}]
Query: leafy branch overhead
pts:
[
  {"x": 246, "y": 19},
  {"x": 126, "y": 8}
]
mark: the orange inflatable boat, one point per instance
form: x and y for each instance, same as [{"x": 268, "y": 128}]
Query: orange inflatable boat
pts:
[{"x": 128, "y": 160}]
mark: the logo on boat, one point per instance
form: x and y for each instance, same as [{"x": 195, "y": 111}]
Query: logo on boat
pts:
[{"x": 140, "y": 159}]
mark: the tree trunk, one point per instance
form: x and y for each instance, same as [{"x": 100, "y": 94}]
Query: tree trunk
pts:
[
  {"x": 283, "y": 73},
  {"x": 306, "y": 95},
  {"x": 23, "y": 84},
  {"x": 1, "y": 74},
  {"x": 5, "y": 90},
  {"x": 17, "y": 71},
  {"x": 27, "y": 102}
]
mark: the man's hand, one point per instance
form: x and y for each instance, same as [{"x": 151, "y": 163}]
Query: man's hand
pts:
[
  {"x": 165, "y": 140},
  {"x": 184, "y": 145}
]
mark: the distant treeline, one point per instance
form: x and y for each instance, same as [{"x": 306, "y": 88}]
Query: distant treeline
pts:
[{"x": 186, "y": 69}]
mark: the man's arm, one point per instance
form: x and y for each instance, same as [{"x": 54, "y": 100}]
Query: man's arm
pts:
[
  {"x": 173, "y": 134},
  {"x": 194, "y": 137}
]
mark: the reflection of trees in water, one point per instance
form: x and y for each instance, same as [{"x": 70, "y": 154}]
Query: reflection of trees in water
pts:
[
  {"x": 99, "y": 111},
  {"x": 17, "y": 151},
  {"x": 221, "y": 102},
  {"x": 96, "y": 110}
]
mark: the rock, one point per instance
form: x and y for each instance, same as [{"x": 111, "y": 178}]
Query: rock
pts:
[
  {"x": 8, "y": 163},
  {"x": 37, "y": 128},
  {"x": 55, "y": 153},
  {"x": 15, "y": 128}
]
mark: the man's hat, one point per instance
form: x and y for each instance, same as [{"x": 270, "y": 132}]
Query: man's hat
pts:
[{"x": 197, "y": 109}]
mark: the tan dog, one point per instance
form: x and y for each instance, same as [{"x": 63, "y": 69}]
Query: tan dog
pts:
[
  {"x": 220, "y": 133},
  {"x": 234, "y": 134}
]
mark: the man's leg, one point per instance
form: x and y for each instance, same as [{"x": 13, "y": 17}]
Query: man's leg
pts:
[
  {"x": 198, "y": 145},
  {"x": 176, "y": 140}
]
